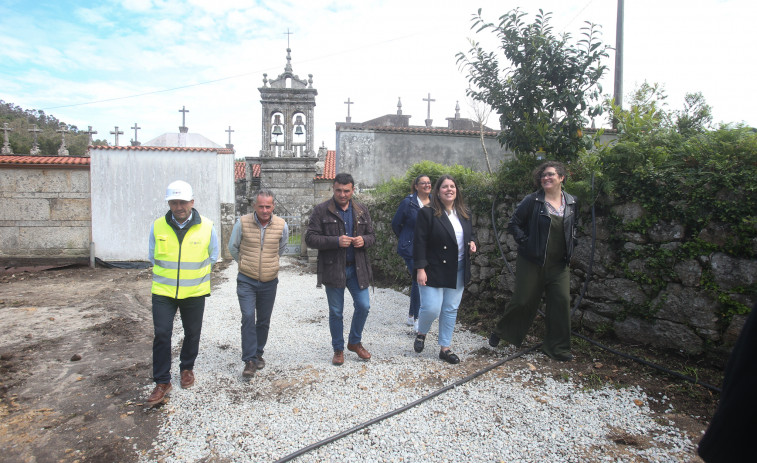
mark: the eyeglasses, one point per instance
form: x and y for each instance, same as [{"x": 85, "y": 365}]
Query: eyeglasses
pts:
[{"x": 548, "y": 174}]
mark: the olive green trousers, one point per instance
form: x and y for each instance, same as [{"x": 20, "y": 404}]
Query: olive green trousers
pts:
[{"x": 531, "y": 282}]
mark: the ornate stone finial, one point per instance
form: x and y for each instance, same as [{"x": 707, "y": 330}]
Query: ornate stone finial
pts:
[
  {"x": 116, "y": 133},
  {"x": 6, "y": 143},
  {"x": 135, "y": 129},
  {"x": 399, "y": 106},
  {"x": 348, "y": 103},
  {"x": 288, "y": 67},
  {"x": 35, "y": 151},
  {"x": 428, "y": 119},
  {"x": 310, "y": 80},
  {"x": 89, "y": 132},
  {"x": 62, "y": 151},
  {"x": 183, "y": 128},
  {"x": 265, "y": 80},
  {"x": 457, "y": 109}
]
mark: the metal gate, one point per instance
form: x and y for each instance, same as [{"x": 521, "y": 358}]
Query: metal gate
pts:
[{"x": 294, "y": 244}]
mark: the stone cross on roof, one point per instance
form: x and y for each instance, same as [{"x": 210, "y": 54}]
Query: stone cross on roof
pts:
[
  {"x": 62, "y": 151},
  {"x": 35, "y": 145},
  {"x": 429, "y": 120},
  {"x": 349, "y": 103},
  {"x": 183, "y": 128},
  {"x": 135, "y": 129},
  {"x": 6, "y": 144},
  {"x": 229, "y": 145},
  {"x": 116, "y": 133},
  {"x": 90, "y": 132}
]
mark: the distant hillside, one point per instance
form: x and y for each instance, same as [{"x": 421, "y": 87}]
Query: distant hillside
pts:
[{"x": 21, "y": 121}]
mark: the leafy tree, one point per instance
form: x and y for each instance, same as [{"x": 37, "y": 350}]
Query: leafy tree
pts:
[
  {"x": 547, "y": 89},
  {"x": 696, "y": 115}
]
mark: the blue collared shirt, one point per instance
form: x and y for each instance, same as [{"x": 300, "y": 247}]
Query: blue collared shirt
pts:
[{"x": 348, "y": 227}]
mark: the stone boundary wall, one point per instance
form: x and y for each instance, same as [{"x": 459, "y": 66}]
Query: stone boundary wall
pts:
[
  {"x": 683, "y": 316},
  {"x": 46, "y": 213}
]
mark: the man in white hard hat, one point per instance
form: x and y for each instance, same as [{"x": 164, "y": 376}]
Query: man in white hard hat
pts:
[
  {"x": 256, "y": 243},
  {"x": 183, "y": 248}
]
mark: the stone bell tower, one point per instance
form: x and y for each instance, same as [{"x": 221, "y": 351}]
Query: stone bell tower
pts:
[
  {"x": 287, "y": 156},
  {"x": 288, "y": 103}
]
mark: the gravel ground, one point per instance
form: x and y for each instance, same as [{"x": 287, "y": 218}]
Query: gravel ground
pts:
[{"x": 516, "y": 413}]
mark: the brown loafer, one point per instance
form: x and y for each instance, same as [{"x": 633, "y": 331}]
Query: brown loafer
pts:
[
  {"x": 187, "y": 378},
  {"x": 159, "y": 394},
  {"x": 249, "y": 369},
  {"x": 338, "y": 358},
  {"x": 359, "y": 350}
]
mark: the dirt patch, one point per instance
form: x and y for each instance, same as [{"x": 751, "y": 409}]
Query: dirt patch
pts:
[{"x": 75, "y": 356}]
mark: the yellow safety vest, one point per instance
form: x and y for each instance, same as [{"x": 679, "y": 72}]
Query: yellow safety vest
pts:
[{"x": 181, "y": 270}]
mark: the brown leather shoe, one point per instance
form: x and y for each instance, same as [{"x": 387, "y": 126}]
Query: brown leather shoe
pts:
[
  {"x": 187, "y": 378},
  {"x": 359, "y": 350},
  {"x": 158, "y": 394},
  {"x": 249, "y": 369},
  {"x": 338, "y": 357}
]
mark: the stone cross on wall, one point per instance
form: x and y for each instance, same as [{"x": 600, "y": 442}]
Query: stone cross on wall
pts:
[
  {"x": 35, "y": 145},
  {"x": 89, "y": 132},
  {"x": 183, "y": 128},
  {"x": 6, "y": 143},
  {"x": 349, "y": 103},
  {"x": 135, "y": 129},
  {"x": 116, "y": 133},
  {"x": 428, "y": 119},
  {"x": 229, "y": 145},
  {"x": 62, "y": 151}
]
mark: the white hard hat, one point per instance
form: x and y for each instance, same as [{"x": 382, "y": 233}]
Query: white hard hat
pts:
[{"x": 179, "y": 189}]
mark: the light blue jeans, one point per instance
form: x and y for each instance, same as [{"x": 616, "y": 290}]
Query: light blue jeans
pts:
[
  {"x": 441, "y": 303},
  {"x": 361, "y": 303}
]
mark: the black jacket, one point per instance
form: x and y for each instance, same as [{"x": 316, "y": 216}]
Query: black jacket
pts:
[
  {"x": 530, "y": 224},
  {"x": 435, "y": 248},
  {"x": 323, "y": 234}
]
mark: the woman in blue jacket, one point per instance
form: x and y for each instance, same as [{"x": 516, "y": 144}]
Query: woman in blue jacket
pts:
[{"x": 403, "y": 225}]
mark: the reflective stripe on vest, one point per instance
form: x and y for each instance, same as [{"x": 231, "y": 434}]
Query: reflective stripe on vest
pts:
[{"x": 181, "y": 271}]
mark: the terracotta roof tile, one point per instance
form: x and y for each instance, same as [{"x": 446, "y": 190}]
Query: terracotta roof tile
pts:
[
  {"x": 44, "y": 161},
  {"x": 329, "y": 168},
  {"x": 255, "y": 170},
  {"x": 163, "y": 148},
  {"x": 239, "y": 170}
]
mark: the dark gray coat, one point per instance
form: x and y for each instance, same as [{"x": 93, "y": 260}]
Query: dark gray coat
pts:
[{"x": 325, "y": 228}]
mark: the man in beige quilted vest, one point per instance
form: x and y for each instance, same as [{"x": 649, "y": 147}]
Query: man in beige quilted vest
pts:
[{"x": 256, "y": 242}]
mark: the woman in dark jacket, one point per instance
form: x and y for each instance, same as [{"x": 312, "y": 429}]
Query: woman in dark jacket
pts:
[
  {"x": 543, "y": 225},
  {"x": 403, "y": 225},
  {"x": 443, "y": 242}
]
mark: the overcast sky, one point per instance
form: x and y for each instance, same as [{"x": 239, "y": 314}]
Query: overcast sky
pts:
[{"x": 110, "y": 63}]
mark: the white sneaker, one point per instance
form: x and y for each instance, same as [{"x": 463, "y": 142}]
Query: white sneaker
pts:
[
  {"x": 409, "y": 321},
  {"x": 415, "y": 325}
]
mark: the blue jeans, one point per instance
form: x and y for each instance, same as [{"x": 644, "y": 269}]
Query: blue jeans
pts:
[
  {"x": 256, "y": 303},
  {"x": 362, "y": 304},
  {"x": 441, "y": 303},
  {"x": 415, "y": 295},
  {"x": 163, "y": 313}
]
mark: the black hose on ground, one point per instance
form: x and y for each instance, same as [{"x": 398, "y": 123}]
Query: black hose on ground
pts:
[{"x": 397, "y": 411}]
